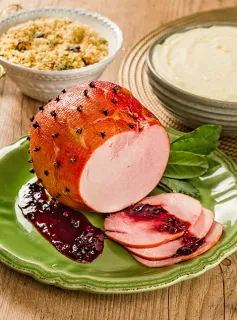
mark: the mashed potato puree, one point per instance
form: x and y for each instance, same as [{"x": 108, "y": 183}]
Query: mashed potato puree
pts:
[
  {"x": 202, "y": 61},
  {"x": 53, "y": 44}
]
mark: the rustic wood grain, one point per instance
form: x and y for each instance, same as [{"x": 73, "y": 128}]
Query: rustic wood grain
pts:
[{"x": 209, "y": 297}]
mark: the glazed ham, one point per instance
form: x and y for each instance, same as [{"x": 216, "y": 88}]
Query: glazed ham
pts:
[
  {"x": 211, "y": 239},
  {"x": 166, "y": 250},
  {"x": 96, "y": 148},
  {"x": 153, "y": 221}
]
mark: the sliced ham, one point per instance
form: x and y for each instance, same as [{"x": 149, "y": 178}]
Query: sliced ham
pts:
[
  {"x": 166, "y": 250},
  {"x": 210, "y": 240},
  {"x": 136, "y": 232},
  {"x": 203, "y": 224},
  {"x": 97, "y": 148}
]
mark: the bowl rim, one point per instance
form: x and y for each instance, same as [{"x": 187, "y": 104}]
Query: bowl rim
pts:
[
  {"x": 81, "y": 70},
  {"x": 188, "y": 95},
  {"x": 206, "y": 109}
]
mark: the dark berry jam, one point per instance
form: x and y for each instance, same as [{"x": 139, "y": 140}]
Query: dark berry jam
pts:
[
  {"x": 190, "y": 245},
  {"x": 163, "y": 220},
  {"x": 68, "y": 230}
]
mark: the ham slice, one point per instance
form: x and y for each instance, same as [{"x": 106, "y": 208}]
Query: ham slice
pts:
[
  {"x": 97, "y": 148},
  {"x": 203, "y": 224},
  {"x": 210, "y": 240},
  {"x": 166, "y": 250},
  {"x": 135, "y": 231}
]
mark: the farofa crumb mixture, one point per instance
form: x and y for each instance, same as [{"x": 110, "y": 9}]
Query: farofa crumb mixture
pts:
[{"x": 53, "y": 44}]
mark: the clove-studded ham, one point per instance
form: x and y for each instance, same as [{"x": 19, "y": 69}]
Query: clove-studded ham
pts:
[
  {"x": 153, "y": 221},
  {"x": 95, "y": 147},
  {"x": 193, "y": 236},
  {"x": 210, "y": 240}
]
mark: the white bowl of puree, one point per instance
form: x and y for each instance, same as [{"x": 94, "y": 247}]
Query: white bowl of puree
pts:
[{"x": 193, "y": 71}]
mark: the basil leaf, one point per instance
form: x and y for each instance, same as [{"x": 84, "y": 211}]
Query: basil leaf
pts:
[
  {"x": 209, "y": 132},
  {"x": 157, "y": 190},
  {"x": 174, "y": 134},
  {"x": 185, "y": 165},
  {"x": 213, "y": 165},
  {"x": 181, "y": 186},
  {"x": 199, "y": 146}
]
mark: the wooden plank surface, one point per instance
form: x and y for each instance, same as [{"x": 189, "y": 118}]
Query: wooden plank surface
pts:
[{"x": 209, "y": 297}]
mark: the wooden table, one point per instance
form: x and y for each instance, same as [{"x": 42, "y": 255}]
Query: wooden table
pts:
[{"x": 211, "y": 296}]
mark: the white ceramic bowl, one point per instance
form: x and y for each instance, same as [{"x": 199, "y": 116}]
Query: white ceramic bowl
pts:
[
  {"x": 191, "y": 109},
  {"x": 45, "y": 84}
]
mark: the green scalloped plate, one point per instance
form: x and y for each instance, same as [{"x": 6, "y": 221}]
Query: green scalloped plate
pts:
[{"x": 115, "y": 271}]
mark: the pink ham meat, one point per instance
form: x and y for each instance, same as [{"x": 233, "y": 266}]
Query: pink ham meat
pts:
[
  {"x": 211, "y": 239},
  {"x": 166, "y": 250},
  {"x": 136, "y": 232},
  {"x": 97, "y": 148}
]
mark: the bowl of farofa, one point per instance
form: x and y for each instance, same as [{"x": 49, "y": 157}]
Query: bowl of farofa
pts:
[{"x": 46, "y": 50}]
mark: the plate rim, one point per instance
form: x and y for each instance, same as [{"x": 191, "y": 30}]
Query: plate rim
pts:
[{"x": 105, "y": 286}]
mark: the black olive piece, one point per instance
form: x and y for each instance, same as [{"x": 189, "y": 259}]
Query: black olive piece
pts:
[
  {"x": 64, "y": 91},
  {"x": 84, "y": 61},
  {"x": 21, "y": 45},
  {"x": 32, "y": 170},
  {"x": 36, "y": 149},
  {"x": 39, "y": 35},
  {"x": 32, "y": 118},
  {"x": 106, "y": 112},
  {"x": 41, "y": 108},
  {"x": 55, "y": 135},
  {"x": 131, "y": 126},
  {"x": 85, "y": 92},
  {"x": 76, "y": 48}
]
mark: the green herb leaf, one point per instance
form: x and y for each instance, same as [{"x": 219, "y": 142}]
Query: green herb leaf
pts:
[
  {"x": 185, "y": 165},
  {"x": 181, "y": 186},
  {"x": 174, "y": 134},
  {"x": 199, "y": 146},
  {"x": 157, "y": 190},
  {"x": 213, "y": 165},
  {"x": 209, "y": 132}
]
